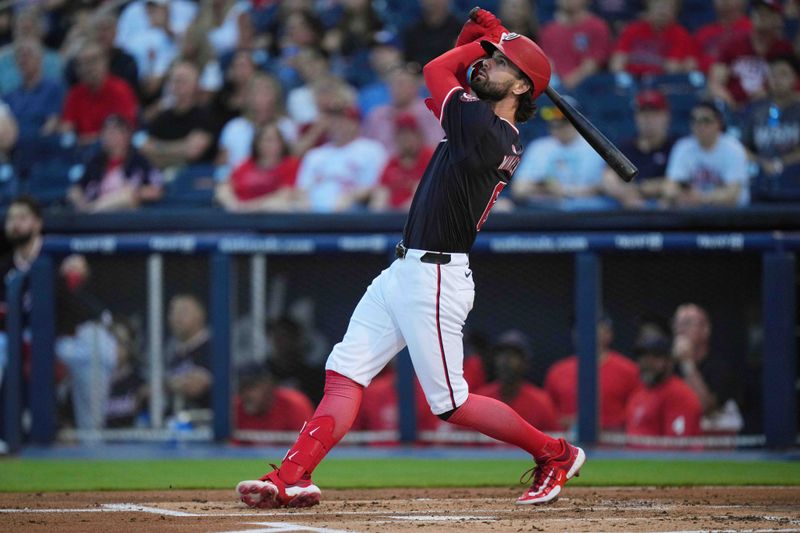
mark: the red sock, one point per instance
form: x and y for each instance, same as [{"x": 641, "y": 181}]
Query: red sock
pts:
[
  {"x": 499, "y": 421},
  {"x": 332, "y": 419}
]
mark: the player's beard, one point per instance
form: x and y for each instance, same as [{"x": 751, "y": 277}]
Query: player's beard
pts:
[
  {"x": 650, "y": 378},
  {"x": 491, "y": 90}
]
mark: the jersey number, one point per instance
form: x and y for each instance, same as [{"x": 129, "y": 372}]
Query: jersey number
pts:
[{"x": 495, "y": 193}]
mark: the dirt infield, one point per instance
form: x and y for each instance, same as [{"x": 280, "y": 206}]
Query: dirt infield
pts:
[{"x": 447, "y": 510}]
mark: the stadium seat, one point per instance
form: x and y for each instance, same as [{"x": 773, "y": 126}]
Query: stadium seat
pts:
[
  {"x": 606, "y": 100},
  {"x": 696, "y": 13},
  {"x": 192, "y": 186},
  {"x": 49, "y": 180},
  {"x": 683, "y": 91}
]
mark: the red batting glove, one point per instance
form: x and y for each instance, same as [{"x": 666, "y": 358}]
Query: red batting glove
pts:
[
  {"x": 493, "y": 29},
  {"x": 472, "y": 31}
]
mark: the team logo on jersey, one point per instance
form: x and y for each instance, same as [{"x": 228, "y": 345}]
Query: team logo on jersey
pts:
[
  {"x": 466, "y": 97},
  {"x": 510, "y": 36},
  {"x": 509, "y": 164}
]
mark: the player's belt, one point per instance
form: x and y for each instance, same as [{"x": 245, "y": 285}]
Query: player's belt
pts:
[{"x": 433, "y": 258}]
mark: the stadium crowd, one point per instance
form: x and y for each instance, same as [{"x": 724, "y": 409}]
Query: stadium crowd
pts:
[{"x": 317, "y": 105}]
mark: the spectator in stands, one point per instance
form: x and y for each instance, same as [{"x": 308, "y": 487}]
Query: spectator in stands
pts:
[
  {"x": 577, "y": 42},
  {"x": 301, "y": 29},
  {"x": 263, "y": 105},
  {"x": 712, "y": 376},
  {"x": 656, "y": 44},
  {"x": 732, "y": 23},
  {"x": 188, "y": 354},
  {"x": 511, "y": 357},
  {"x": 519, "y": 16},
  {"x": 384, "y": 57},
  {"x": 313, "y": 68},
  {"x": 135, "y": 20},
  {"x": 708, "y": 167},
  {"x": 355, "y": 30},
  {"x": 117, "y": 177},
  {"x": 339, "y": 174},
  {"x": 182, "y": 132},
  {"x": 28, "y": 24},
  {"x": 225, "y": 20},
  {"x": 665, "y": 405},
  {"x": 98, "y": 95},
  {"x": 129, "y": 392},
  {"x": 433, "y": 34},
  {"x": 404, "y": 86},
  {"x": 649, "y": 151},
  {"x": 562, "y": 170},
  {"x": 740, "y": 74},
  {"x": 617, "y": 13},
  {"x": 289, "y": 358},
  {"x": 402, "y": 173},
  {"x": 196, "y": 48},
  {"x": 154, "y": 47},
  {"x": 771, "y": 129},
  {"x": 263, "y": 405},
  {"x": 228, "y": 103},
  {"x": 618, "y": 376},
  {"x": 121, "y": 63},
  {"x": 265, "y": 181}
]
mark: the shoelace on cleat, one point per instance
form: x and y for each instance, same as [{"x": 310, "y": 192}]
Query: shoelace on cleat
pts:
[{"x": 537, "y": 475}]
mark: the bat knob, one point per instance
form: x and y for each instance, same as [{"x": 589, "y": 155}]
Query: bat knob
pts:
[{"x": 474, "y": 12}]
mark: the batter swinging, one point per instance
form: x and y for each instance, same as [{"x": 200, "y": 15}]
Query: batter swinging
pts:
[{"x": 423, "y": 298}]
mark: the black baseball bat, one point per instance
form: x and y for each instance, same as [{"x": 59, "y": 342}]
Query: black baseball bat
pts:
[{"x": 607, "y": 150}]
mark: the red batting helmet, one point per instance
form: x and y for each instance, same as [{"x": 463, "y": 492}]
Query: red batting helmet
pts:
[{"x": 526, "y": 56}]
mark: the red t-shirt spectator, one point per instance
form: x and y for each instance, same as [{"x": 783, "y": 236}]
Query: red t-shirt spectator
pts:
[
  {"x": 531, "y": 403},
  {"x": 87, "y": 110},
  {"x": 670, "y": 408},
  {"x": 748, "y": 69},
  {"x": 712, "y": 38},
  {"x": 474, "y": 372},
  {"x": 249, "y": 181},
  {"x": 648, "y": 48},
  {"x": 289, "y": 410},
  {"x": 619, "y": 378},
  {"x": 402, "y": 181},
  {"x": 568, "y": 46}
]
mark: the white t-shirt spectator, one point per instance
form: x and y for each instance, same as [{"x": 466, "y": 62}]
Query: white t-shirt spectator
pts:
[
  {"x": 724, "y": 164},
  {"x": 301, "y": 105},
  {"x": 575, "y": 164},
  {"x": 211, "y": 78},
  {"x": 237, "y": 138},
  {"x": 153, "y": 51},
  {"x": 134, "y": 20},
  {"x": 225, "y": 36},
  {"x": 329, "y": 172}
]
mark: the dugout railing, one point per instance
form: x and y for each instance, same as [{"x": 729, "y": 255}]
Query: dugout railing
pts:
[{"x": 585, "y": 252}]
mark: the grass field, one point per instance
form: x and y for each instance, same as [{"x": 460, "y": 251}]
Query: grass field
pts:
[{"x": 28, "y": 475}]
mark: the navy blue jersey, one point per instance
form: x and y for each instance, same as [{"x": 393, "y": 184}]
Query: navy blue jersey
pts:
[{"x": 469, "y": 168}]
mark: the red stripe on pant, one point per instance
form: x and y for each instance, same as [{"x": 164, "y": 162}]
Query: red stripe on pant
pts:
[{"x": 439, "y": 331}]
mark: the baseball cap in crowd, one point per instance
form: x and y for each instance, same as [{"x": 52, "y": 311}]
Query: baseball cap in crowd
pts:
[
  {"x": 116, "y": 119},
  {"x": 252, "y": 373},
  {"x": 515, "y": 340},
  {"x": 406, "y": 121},
  {"x": 651, "y": 100},
  {"x": 158, "y": 2},
  {"x": 775, "y": 5},
  {"x": 652, "y": 341}
]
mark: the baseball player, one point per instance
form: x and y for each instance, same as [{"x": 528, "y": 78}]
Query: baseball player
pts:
[{"x": 423, "y": 298}]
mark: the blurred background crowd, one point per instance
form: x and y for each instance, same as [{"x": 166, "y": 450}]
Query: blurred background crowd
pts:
[{"x": 317, "y": 105}]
